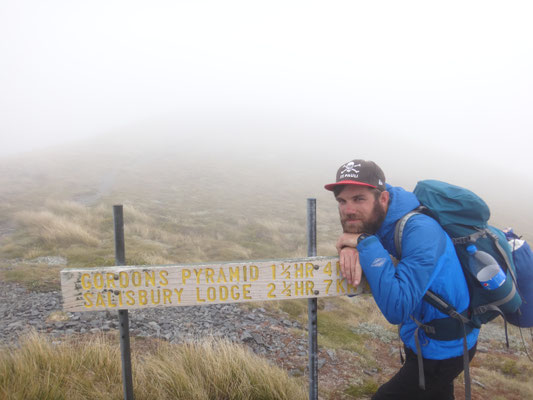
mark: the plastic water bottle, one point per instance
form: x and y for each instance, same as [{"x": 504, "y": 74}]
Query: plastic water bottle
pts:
[{"x": 485, "y": 268}]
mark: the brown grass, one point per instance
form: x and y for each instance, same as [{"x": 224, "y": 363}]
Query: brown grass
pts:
[{"x": 90, "y": 368}]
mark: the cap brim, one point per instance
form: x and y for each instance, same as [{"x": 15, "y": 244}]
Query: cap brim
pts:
[{"x": 340, "y": 183}]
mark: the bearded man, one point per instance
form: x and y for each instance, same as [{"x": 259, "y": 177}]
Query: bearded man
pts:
[{"x": 369, "y": 209}]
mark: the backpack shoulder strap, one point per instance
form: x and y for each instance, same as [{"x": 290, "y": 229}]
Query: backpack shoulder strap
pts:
[{"x": 400, "y": 225}]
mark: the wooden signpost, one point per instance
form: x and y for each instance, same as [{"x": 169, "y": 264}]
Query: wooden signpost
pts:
[
  {"x": 131, "y": 287},
  {"x": 123, "y": 288}
]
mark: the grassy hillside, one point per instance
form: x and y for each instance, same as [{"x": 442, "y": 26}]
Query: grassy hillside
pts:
[
  {"x": 182, "y": 205},
  {"x": 178, "y": 207}
]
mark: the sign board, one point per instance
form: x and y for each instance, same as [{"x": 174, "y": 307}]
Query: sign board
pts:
[{"x": 130, "y": 287}]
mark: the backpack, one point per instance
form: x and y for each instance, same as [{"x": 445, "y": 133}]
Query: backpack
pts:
[
  {"x": 523, "y": 261},
  {"x": 463, "y": 216}
]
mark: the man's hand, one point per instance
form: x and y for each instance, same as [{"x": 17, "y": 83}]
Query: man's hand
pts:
[
  {"x": 347, "y": 240},
  {"x": 350, "y": 267}
]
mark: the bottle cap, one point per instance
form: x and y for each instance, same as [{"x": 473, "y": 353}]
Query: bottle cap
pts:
[{"x": 471, "y": 249}]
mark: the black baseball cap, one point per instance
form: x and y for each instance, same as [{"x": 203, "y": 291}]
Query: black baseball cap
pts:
[{"x": 359, "y": 172}]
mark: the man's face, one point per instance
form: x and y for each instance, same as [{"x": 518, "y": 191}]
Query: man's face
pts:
[{"x": 359, "y": 211}]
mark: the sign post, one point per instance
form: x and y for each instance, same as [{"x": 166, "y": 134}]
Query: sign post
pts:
[
  {"x": 312, "y": 305},
  {"x": 123, "y": 318}
]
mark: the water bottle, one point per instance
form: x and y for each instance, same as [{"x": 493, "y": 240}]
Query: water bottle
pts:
[{"x": 485, "y": 268}]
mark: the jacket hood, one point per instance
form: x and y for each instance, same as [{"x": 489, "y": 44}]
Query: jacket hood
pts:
[{"x": 400, "y": 203}]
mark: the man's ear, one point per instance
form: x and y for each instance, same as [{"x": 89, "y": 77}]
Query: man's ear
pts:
[{"x": 384, "y": 199}]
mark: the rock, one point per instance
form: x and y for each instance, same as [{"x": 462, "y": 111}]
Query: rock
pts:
[
  {"x": 476, "y": 382},
  {"x": 370, "y": 372},
  {"x": 482, "y": 349}
]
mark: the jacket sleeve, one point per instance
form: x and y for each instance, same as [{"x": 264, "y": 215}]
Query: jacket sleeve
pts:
[{"x": 399, "y": 290}]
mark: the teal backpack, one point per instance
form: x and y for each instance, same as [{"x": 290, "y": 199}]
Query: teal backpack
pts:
[{"x": 464, "y": 217}]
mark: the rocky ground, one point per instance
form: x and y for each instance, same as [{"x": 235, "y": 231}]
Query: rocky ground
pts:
[
  {"x": 271, "y": 336},
  {"x": 274, "y": 336}
]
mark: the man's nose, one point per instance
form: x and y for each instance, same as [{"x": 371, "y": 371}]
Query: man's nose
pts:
[{"x": 349, "y": 208}]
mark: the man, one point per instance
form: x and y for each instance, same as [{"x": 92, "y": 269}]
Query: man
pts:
[{"x": 369, "y": 209}]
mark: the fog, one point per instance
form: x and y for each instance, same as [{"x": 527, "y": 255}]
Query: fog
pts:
[{"x": 427, "y": 90}]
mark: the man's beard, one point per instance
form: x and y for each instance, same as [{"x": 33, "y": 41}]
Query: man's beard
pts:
[{"x": 371, "y": 226}]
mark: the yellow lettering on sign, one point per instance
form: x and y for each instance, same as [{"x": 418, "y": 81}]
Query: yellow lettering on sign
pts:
[
  {"x": 123, "y": 279},
  {"x": 197, "y": 273},
  {"x": 299, "y": 286},
  {"x": 143, "y": 297},
  {"x": 211, "y": 293},
  {"x": 154, "y": 301},
  {"x": 234, "y": 274},
  {"x": 273, "y": 272},
  {"x": 246, "y": 292},
  {"x": 120, "y": 298},
  {"x": 272, "y": 288},
  {"x": 340, "y": 287},
  {"x": 110, "y": 280},
  {"x": 178, "y": 293},
  {"x": 327, "y": 269},
  {"x": 221, "y": 276},
  {"x": 328, "y": 283},
  {"x": 163, "y": 281},
  {"x": 309, "y": 288},
  {"x": 84, "y": 284},
  {"x": 131, "y": 299},
  {"x": 209, "y": 273},
  {"x": 254, "y": 273},
  {"x": 198, "y": 298},
  {"x": 224, "y": 293},
  {"x": 185, "y": 274},
  {"x": 149, "y": 277},
  {"x": 286, "y": 289},
  {"x": 110, "y": 300},
  {"x": 167, "y": 293},
  {"x": 98, "y": 281},
  {"x": 299, "y": 271},
  {"x": 136, "y": 278},
  {"x": 309, "y": 268},
  {"x": 88, "y": 300},
  {"x": 285, "y": 271},
  {"x": 237, "y": 295},
  {"x": 99, "y": 300}
]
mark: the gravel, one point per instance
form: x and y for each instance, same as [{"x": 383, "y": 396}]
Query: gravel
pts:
[{"x": 22, "y": 310}]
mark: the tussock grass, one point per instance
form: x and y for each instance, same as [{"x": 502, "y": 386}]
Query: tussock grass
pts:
[
  {"x": 56, "y": 230},
  {"x": 504, "y": 386},
  {"x": 366, "y": 389},
  {"x": 90, "y": 368},
  {"x": 36, "y": 277}
]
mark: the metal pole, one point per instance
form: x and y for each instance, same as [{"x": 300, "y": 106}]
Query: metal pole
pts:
[
  {"x": 312, "y": 305},
  {"x": 120, "y": 259}
]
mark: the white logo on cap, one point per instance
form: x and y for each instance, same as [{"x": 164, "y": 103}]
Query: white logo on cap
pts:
[
  {"x": 381, "y": 183},
  {"x": 350, "y": 167}
]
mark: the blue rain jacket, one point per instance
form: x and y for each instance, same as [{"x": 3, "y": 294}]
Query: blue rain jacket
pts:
[{"x": 428, "y": 261}]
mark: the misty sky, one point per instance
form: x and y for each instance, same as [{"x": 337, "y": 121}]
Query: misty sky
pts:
[{"x": 430, "y": 82}]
